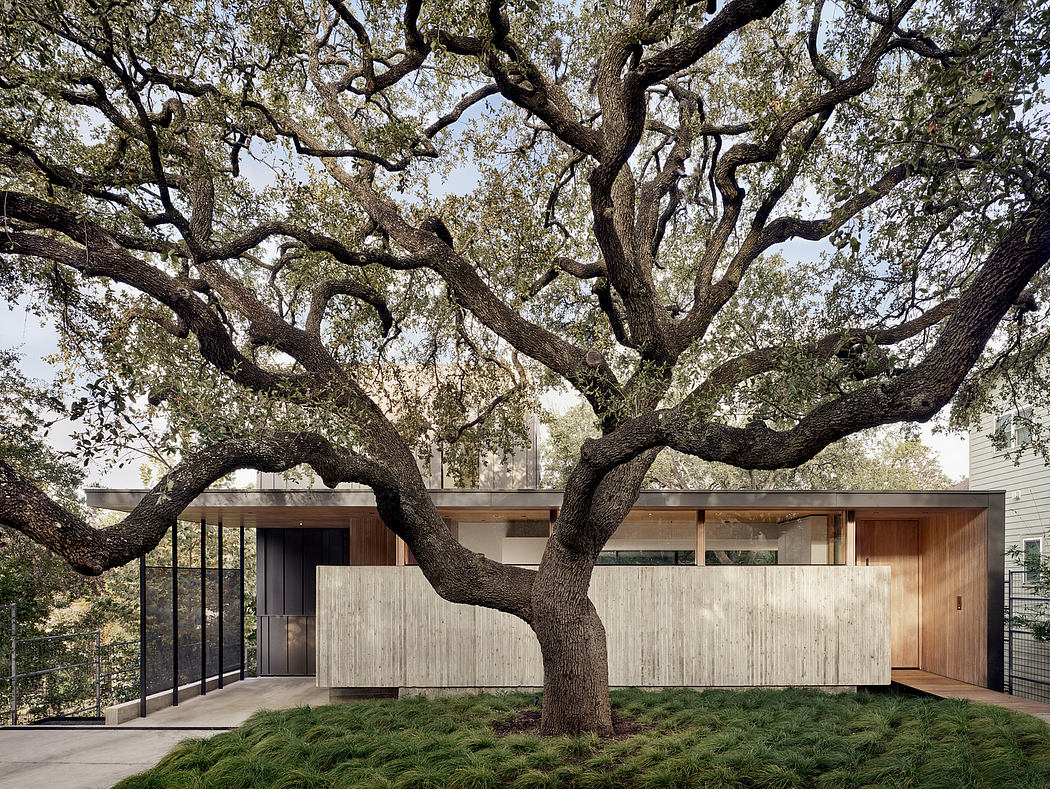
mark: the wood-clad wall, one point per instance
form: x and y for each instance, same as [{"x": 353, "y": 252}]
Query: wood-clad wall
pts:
[
  {"x": 953, "y": 565},
  {"x": 896, "y": 544},
  {"x": 371, "y": 542},
  {"x": 666, "y": 626}
]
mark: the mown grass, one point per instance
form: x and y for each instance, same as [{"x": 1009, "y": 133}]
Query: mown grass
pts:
[{"x": 755, "y": 738}]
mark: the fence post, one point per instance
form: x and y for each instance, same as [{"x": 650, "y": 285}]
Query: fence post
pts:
[
  {"x": 98, "y": 673},
  {"x": 242, "y": 601},
  {"x": 142, "y": 636},
  {"x": 1010, "y": 632},
  {"x": 204, "y": 606},
  {"x": 14, "y": 664},
  {"x": 221, "y": 601},
  {"x": 175, "y": 614}
]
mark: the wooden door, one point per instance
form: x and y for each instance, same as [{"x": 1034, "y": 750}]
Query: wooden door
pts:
[{"x": 896, "y": 544}]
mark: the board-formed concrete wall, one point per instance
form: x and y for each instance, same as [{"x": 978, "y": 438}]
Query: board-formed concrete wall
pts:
[{"x": 666, "y": 626}]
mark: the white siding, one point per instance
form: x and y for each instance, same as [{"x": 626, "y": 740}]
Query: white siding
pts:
[{"x": 1027, "y": 483}]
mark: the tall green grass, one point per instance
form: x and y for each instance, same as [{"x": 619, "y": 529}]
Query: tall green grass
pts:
[{"x": 759, "y": 739}]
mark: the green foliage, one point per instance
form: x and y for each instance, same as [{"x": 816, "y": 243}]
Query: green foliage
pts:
[
  {"x": 27, "y": 410},
  {"x": 1032, "y": 613},
  {"x": 49, "y": 594},
  {"x": 755, "y": 738},
  {"x": 885, "y": 459},
  {"x": 513, "y": 197},
  {"x": 53, "y": 599}
]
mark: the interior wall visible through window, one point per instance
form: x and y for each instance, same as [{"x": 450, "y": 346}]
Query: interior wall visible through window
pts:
[
  {"x": 510, "y": 537},
  {"x": 756, "y": 537}
]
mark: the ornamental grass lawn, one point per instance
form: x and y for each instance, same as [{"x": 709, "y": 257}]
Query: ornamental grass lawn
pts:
[{"x": 753, "y": 738}]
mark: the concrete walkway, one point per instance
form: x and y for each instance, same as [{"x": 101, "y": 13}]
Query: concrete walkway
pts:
[
  {"x": 89, "y": 757},
  {"x": 237, "y": 702},
  {"x": 96, "y": 757}
]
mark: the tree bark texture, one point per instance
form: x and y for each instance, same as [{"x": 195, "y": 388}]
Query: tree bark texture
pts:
[{"x": 573, "y": 645}]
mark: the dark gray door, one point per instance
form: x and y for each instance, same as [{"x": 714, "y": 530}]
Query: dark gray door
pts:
[{"x": 286, "y": 577}]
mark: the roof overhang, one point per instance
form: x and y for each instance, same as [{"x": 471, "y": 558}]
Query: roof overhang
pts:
[{"x": 323, "y": 507}]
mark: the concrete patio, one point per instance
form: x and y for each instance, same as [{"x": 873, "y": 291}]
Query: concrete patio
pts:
[
  {"x": 96, "y": 757},
  {"x": 235, "y": 703}
]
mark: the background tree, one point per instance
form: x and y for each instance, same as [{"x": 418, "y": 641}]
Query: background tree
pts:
[
  {"x": 51, "y": 598},
  {"x": 39, "y": 581},
  {"x": 239, "y": 215}
]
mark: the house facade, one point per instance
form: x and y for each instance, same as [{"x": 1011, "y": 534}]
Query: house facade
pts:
[
  {"x": 1000, "y": 459},
  {"x": 696, "y": 588}
]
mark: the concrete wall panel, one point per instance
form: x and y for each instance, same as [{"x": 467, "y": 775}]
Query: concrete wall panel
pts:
[{"x": 666, "y": 626}]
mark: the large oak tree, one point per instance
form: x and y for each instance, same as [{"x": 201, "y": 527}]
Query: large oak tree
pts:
[{"x": 340, "y": 233}]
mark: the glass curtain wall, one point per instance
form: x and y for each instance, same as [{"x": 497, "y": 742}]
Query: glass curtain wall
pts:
[
  {"x": 653, "y": 537},
  {"x": 668, "y": 537}
]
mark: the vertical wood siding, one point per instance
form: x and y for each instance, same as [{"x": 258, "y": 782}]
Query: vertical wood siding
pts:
[
  {"x": 371, "y": 542},
  {"x": 896, "y": 544},
  {"x": 953, "y": 564},
  {"x": 666, "y": 626}
]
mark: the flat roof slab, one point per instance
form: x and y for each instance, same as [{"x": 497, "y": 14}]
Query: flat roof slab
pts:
[{"x": 324, "y": 507}]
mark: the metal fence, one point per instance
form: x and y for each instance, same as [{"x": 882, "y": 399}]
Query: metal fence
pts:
[
  {"x": 191, "y": 619},
  {"x": 191, "y": 627},
  {"x": 1027, "y": 649},
  {"x": 63, "y": 676}
]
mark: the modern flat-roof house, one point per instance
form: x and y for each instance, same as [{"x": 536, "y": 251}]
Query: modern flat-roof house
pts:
[{"x": 696, "y": 588}]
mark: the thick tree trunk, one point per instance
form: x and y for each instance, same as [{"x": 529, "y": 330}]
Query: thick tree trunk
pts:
[{"x": 572, "y": 641}]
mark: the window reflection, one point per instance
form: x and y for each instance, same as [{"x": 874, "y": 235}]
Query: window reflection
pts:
[
  {"x": 653, "y": 537},
  {"x": 755, "y": 537}
]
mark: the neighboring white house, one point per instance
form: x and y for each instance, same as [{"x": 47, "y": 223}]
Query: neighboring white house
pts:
[{"x": 1025, "y": 478}]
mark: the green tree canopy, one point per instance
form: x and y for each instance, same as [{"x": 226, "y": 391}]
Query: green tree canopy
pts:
[
  {"x": 39, "y": 581},
  {"x": 338, "y": 233}
]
